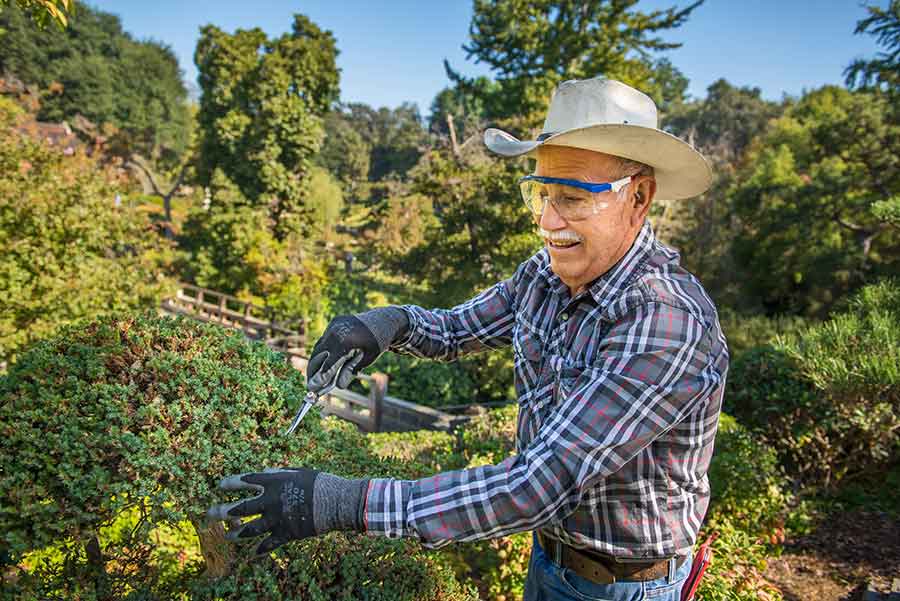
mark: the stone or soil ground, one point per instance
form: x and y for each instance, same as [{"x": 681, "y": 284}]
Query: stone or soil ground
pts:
[{"x": 844, "y": 554}]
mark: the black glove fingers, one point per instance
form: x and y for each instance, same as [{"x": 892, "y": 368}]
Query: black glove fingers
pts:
[
  {"x": 326, "y": 376},
  {"x": 316, "y": 362},
  {"x": 251, "y": 529},
  {"x": 349, "y": 370},
  {"x": 247, "y": 507},
  {"x": 270, "y": 544}
]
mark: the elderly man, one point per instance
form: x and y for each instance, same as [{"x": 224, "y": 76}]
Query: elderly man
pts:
[{"x": 620, "y": 365}]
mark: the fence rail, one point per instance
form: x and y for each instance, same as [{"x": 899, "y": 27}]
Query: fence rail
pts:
[{"x": 257, "y": 322}]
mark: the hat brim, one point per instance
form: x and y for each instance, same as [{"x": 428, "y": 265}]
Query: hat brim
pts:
[{"x": 680, "y": 171}]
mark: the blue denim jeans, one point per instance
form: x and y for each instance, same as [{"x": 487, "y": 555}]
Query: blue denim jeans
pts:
[{"x": 547, "y": 581}]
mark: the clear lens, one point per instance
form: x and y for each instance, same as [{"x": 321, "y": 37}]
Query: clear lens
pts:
[{"x": 570, "y": 202}]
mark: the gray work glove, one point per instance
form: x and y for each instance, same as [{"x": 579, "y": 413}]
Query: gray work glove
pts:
[
  {"x": 351, "y": 343},
  {"x": 293, "y": 504}
]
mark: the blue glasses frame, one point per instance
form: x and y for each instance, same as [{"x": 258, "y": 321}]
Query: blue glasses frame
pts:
[{"x": 604, "y": 187}]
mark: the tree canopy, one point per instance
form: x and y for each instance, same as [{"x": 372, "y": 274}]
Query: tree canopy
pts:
[
  {"x": 882, "y": 70},
  {"x": 261, "y": 112},
  {"x": 533, "y": 46},
  {"x": 815, "y": 200},
  {"x": 97, "y": 70}
]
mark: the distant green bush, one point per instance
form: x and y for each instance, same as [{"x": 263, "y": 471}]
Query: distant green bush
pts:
[
  {"x": 828, "y": 397},
  {"x": 747, "y": 481},
  {"x": 68, "y": 252},
  {"x": 119, "y": 429},
  {"x": 426, "y": 382},
  {"x": 745, "y": 332}
]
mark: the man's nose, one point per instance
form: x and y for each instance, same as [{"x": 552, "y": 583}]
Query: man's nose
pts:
[{"x": 550, "y": 218}]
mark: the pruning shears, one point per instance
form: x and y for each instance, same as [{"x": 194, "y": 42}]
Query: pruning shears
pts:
[
  {"x": 309, "y": 400},
  {"x": 312, "y": 398}
]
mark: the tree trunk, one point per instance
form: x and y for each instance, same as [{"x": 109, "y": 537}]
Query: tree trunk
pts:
[
  {"x": 97, "y": 568},
  {"x": 218, "y": 553}
]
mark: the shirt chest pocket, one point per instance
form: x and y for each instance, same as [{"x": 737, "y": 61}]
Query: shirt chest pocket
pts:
[{"x": 528, "y": 348}]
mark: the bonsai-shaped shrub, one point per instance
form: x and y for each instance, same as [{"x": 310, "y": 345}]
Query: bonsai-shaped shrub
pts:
[
  {"x": 119, "y": 430},
  {"x": 828, "y": 397}
]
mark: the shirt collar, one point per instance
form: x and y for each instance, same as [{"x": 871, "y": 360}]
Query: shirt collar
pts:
[{"x": 609, "y": 285}]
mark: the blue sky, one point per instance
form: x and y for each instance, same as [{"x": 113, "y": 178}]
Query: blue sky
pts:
[{"x": 391, "y": 52}]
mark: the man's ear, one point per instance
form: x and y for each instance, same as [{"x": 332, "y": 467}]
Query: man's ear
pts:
[{"x": 644, "y": 191}]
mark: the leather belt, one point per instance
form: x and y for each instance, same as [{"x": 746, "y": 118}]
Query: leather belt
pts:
[{"x": 603, "y": 569}]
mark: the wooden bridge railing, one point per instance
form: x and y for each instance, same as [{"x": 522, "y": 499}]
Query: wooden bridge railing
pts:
[{"x": 257, "y": 322}]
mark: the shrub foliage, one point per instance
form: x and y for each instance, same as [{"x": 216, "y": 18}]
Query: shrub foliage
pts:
[
  {"x": 133, "y": 420},
  {"x": 828, "y": 398}
]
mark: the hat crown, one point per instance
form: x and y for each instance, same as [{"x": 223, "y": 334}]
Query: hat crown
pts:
[{"x": 581, "y": 103}]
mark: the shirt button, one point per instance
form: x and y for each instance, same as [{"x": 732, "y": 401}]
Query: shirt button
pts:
[{"x": 564, "y": 316}]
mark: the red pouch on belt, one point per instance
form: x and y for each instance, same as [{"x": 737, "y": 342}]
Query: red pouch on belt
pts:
[{"x": 698, "y": 566}]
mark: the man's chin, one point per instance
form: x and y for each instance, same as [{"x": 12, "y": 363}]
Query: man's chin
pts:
[{"x": 567, "y": 270}]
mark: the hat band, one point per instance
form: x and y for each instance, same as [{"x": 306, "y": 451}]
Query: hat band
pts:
[{"x": 543, "y": 137}]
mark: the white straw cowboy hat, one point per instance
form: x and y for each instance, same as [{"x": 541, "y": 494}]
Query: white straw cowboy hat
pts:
[{"x": 608, "y": 116}]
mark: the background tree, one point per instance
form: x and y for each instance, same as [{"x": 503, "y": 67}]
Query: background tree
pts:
[
  {"x": 883, "y": 70},
  {"x": 68, "y": 251},
  {"x": 97, "y": 70},
  {"x": 813, "y": 201},
  {"x": 260, "y": 115},
  {"x": 532, "y": 46},
  {"x": 345, "y": 154},
  {"x": 721, "y": 126}
]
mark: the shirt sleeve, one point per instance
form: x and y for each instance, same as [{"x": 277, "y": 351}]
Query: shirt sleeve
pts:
[
  {"x": 654, "y": 366},
  {"x": 482, "y": 323}
]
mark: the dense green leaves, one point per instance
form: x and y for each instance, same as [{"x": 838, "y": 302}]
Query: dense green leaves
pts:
[
  {"x": 124, "y": 425},
  {"x": 68, "y": 251},
  {"x": 828, "y": 397},
  {"x": 811, "y": 231},
  {"x": 97, "y": 70},
  {"x": 261, "y": 113}
]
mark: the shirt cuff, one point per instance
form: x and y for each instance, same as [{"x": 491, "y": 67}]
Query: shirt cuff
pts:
[
  {"x": 386, "y": 503},
  {"x": 405, "y": 343}
]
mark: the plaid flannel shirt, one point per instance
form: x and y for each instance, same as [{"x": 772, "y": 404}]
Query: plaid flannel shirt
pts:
[{"x": 619, "y": 393}]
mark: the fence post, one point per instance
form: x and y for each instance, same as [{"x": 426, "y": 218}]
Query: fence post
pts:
[
  {"x": 246, "y": 323},
  {"x": 221, "y": 308},
  {"x": 377, "y": 392}
]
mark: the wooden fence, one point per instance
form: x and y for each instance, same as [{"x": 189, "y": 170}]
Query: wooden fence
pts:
[{"x": 255, "y": 321}]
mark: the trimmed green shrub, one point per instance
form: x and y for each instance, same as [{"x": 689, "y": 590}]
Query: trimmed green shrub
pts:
[
  {"x": 746, "y": 480},
  {"x": 745, "y": 332},
  {"x": 423, "y": 451},
  {"x": 345, "y": 567},
  {"x": 828, "y": 398},
  {"x": 120, "y": 428}
]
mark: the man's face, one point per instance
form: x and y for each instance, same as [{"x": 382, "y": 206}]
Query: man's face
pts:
[{"x": 605, "y": 237}]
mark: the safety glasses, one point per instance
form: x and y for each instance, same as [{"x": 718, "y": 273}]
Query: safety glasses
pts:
[{"x": 573, "y": 199}]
